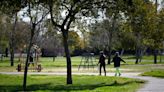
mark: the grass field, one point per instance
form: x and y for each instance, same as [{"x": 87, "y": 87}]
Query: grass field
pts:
[
  {"x": 154, "y": 73},
  {"x": 60, "y": 65},
  {"x": 40, "y": 83}
]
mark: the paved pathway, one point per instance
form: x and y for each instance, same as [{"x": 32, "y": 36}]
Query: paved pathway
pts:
[
  {"x": 152, "y": 85},
  {"x": 74, "y": 73}
]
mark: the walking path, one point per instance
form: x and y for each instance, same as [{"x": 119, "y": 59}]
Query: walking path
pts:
[{"x": 152, "y": 85}]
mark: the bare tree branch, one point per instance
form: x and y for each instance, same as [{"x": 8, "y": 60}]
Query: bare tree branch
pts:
[
  {"x": 70, "y": 21},
  {"x": 65, "y": 6},
  {"x": 43, "y": 16},
  {"x": 51, "y": 14}
]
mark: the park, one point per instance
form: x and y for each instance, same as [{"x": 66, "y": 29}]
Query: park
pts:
[{"x": 81, "y": 45}]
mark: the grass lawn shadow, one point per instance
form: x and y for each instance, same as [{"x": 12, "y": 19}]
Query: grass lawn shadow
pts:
[{"x": 58, "y": 88}]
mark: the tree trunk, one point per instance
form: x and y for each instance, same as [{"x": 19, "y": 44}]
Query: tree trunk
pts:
[
  {"x": 12, "y": 56},
  {"x": 27, "y": 59},
  {"x": 6, "y": 52},
  {"x": 156, "y": 6},
  {"x": 155, "y": 56},
  {"x": 122, "y": 52},
  {"x": 137, "y": 56},
  {"x": 137, "y": 59},
  {"x": 160, "y": 56},
  {"x": 12, "y": 43},
  {"x": 1, "y": 51},
  {"x": 1, "y": 57},
  {"x": 109, "y": 55},
  {"x": 68, "y": 58},
  {"x": 54, "y": 58},
  {"x": 141, "y": 51},
  {"x": 110, "y": 37},
  {"x": 138, "y": 47}
]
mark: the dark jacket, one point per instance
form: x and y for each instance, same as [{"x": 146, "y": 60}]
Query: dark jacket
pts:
[
  {"x": 117, "y": 61},
  {"x": 102, "y": 59}
]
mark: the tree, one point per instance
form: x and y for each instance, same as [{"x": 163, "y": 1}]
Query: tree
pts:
[
  {"x": 100, "y": 35},
  {"x": 126, "y": 38},
  {"x": 11, "y": 8},
  {"x": 139, "y": 15},
  {"x": 114, "y": 14},
  {"x": 83, "y": 28},
  {"x": 156, "y": 33},
  {"x": 36, "y": 13},
  {"x": 52, "y": 38},
  {"x": 74, "y": 41},
  {"x": 71, "y": 9},
  {"x": 3, "y": 36},
  {"x": 21, "y": 35}
]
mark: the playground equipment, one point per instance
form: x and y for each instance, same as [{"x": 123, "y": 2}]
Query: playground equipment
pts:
[
  {"x": 33, "y": 63},
  {"x": 87, "y": 60}
]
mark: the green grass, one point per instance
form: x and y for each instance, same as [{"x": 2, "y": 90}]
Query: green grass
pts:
[
  {"x": 60, "y": 64},
  {"x": 44, "y": 83},
  {"x": 154, "y": 73},
  {"x": 146, "y": 57},
  {"x": 59, "y": 61}
]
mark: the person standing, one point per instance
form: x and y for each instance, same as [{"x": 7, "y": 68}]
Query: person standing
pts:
[
  {"x": 117, "y": 59},
  {"x": 102, "y": 62}
]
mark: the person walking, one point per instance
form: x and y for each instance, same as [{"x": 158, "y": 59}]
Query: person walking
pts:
[
  {"x": 102, "y": 62},
  {"x": 117, "y": 59}
]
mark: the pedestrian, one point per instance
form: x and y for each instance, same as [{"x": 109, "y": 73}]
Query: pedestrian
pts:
[
  {"x": 102, "y": 62},
  {"x": 117, "y": 59}
]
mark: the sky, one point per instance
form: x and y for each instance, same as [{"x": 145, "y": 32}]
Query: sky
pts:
[{"x": 27, "y": 19}]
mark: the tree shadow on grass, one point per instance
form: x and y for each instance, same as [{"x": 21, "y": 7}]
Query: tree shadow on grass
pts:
[{"x": 57, "y": 88}]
